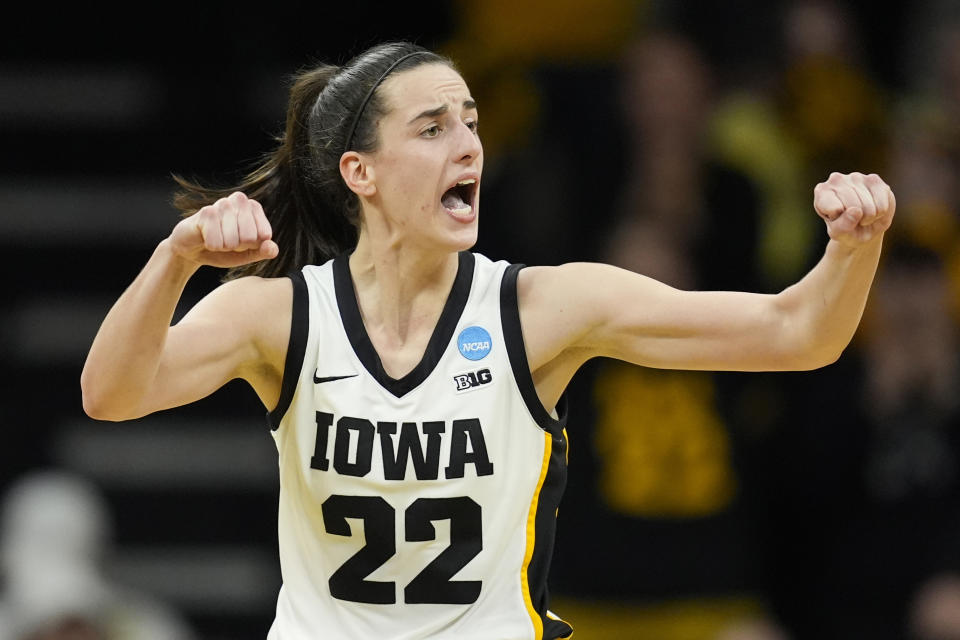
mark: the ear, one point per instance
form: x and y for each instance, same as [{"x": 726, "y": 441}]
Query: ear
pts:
[{"x": 357, "y": 174}]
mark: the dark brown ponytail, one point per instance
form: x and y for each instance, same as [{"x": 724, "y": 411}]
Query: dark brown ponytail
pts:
[{"x": 314, "y": 216}]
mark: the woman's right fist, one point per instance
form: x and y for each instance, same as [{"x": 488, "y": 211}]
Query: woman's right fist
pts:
[{"x": 232, "y": 231}]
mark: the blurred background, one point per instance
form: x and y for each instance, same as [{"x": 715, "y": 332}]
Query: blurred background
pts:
[{"x": 678, "y": 139}]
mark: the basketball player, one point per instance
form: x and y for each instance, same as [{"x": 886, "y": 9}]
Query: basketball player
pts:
[{"x": 415, "y": 389}]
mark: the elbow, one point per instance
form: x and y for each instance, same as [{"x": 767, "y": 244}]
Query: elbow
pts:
[
  {"x": 94, "y": 401},
  {"x": 98, "y": 407},
  {"x": 816, "y": 362},
  {"x": 99, "y": 403},
  {"x": 816, "y": 356},
  {"x": 95, "y": 408},
  {"x": 809, "y": 344},
  {"x": 832, "y": 356},
  {"x": 830, "y": 347}
]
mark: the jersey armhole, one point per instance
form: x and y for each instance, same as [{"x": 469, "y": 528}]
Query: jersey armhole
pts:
[
  {"x": 517, "y": 353},
  {"x": 296, "y": 348}
]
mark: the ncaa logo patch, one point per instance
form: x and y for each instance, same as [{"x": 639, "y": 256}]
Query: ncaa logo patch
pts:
[{"x": 474, "y": 343}]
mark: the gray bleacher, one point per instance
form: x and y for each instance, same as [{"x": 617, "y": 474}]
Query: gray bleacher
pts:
[
  {"x": 193, "y": 490},
  {"x": 96, "y": 113}
]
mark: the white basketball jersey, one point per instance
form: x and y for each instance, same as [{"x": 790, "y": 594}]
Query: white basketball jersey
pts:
[{"x": 419, "y": 507}]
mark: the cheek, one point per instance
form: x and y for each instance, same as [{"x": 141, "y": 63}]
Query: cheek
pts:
[{"x": 413, "y": 178}]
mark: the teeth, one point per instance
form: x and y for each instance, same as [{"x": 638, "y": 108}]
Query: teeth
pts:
[{"x": 467, "y": 181}]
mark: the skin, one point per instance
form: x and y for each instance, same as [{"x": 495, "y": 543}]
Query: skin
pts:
[{"x": 405, "y": 263}]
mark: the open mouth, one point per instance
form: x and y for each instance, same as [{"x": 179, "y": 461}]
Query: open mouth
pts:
[{"x": 459, "y": 198}]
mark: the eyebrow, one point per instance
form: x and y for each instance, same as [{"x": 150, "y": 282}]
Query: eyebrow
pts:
[{"x": 442, "y": 109}]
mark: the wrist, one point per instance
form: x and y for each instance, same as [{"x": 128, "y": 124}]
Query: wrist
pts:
[
  {"x": 843, "y": 249},
  {"x": 177, "y": 265}
]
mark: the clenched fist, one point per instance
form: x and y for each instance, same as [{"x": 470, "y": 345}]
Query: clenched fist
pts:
[
  {"x": 232, "y": 231},
  {"x": 857, "y": 208}
]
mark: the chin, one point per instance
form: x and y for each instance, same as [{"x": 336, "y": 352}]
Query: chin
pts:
[
  {"x": 459, "y": 235},
  {"x": 464, "y": 238}
]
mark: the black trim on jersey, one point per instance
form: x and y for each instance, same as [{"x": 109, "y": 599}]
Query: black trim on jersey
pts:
[
  {"x": 548, "y": 501},
  {"x": 517, "y": 352},
  {"x": 296, "y": 346},
  {"x": 545, "y": 529},
  {"x": 439, "y": 340},
  {"x": 556, "y": 629}
]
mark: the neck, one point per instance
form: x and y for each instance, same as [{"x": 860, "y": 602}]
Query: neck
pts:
[{"x": 400, "y": 289}]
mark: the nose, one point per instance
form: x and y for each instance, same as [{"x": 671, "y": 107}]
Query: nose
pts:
[{"x": 468, "y": 144}]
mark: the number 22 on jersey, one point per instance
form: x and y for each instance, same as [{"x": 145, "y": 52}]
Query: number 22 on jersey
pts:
[{"x": 433, "y": 585}]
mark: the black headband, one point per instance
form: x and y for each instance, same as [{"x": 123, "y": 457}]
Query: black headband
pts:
[{"x": 366, "y": 98}]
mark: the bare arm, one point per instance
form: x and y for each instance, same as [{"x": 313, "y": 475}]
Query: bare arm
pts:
[
  {"x": 578, "y": 311},
  {"x": 139, "y": 364}
]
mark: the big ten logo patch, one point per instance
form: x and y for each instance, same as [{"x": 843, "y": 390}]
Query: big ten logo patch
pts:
[
  {"x": 472, "y": 380},
  {"x": 474, "y": 343}
]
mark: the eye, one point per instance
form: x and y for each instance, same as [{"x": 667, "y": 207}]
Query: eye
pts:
[
  {"x": 473, "y": 125},
  {"x": 431, "y": 132}
]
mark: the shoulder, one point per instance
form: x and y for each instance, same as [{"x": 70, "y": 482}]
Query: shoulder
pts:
[
  {"x": 270, "y": 305},
  {"x": 263, "y": 310},
  {"x": 584, "y": 282},
  {"x": 251, "y": 294},
  {"x": 251, "y": 308},
  {"x": 554, "y": 308},
  {"x": 565, "y": 306},
  {"x": 551, "y": 285},
  {"x": 263, "y": 286}
]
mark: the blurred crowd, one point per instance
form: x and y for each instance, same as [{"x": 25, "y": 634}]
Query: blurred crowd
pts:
[
  {"x": 55, "y": 546},
  {"x": 684, "y": 142},
  {"x": 728, "y": 506}
]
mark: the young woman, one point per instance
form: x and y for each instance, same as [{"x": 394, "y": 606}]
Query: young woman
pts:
[{"x": 415, "y": 389}]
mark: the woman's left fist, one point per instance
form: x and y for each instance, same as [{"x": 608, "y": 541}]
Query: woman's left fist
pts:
[{"x": 857, "y": 208}]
